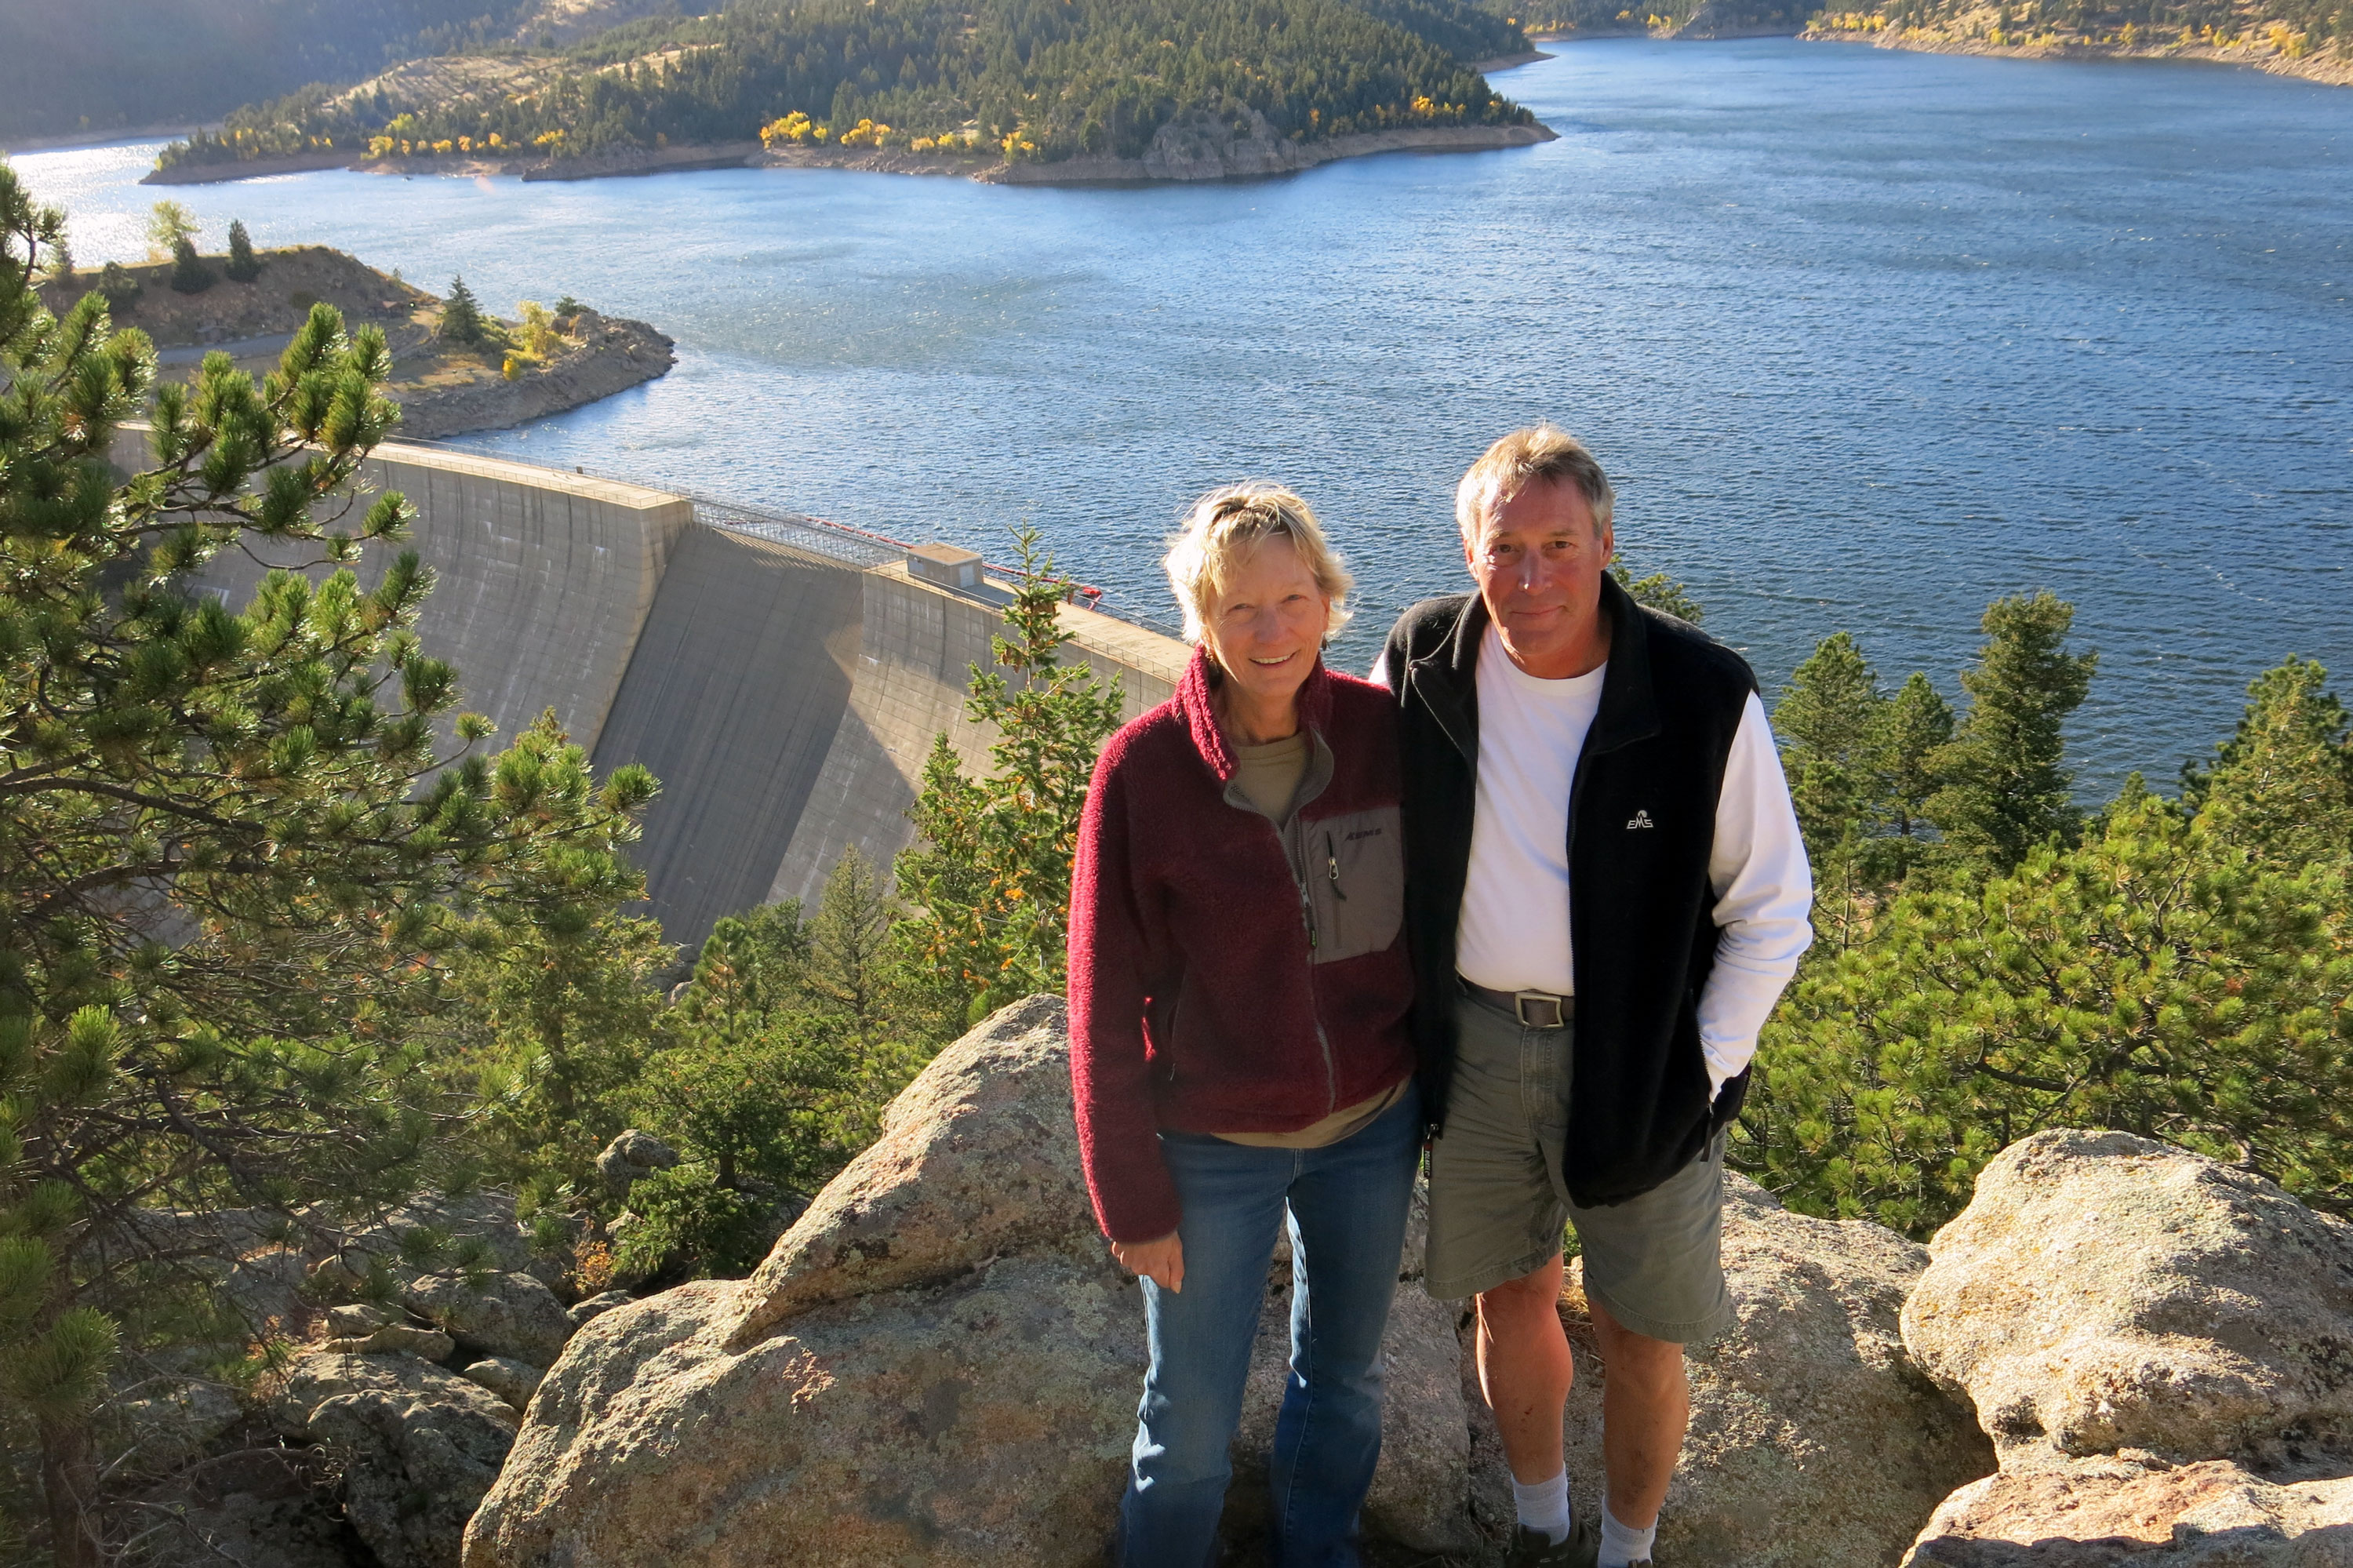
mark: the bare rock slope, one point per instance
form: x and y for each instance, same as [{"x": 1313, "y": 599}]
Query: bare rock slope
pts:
[
  {"x": 2161, "y": 1346},
  {"x": 938, "y": 1364}
]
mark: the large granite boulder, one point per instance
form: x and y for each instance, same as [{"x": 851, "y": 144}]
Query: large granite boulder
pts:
[
  {"x": 2136, "y": 1511},
  {"x": 938, "y": 1363},
  {"x": 2103, "y": 1292},
  {"x": 509, "y": 1314},
  {"x": 420, "y": 1447},
  {"x": 631, "y": 1158},
  {"x": 1813, "y": 1439}
]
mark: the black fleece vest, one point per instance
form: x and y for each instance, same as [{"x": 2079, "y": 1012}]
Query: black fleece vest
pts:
[{"x": 1641, "y": 825}]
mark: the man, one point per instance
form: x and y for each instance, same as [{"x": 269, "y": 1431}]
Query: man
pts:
[{"x": 1605, "y": 892}]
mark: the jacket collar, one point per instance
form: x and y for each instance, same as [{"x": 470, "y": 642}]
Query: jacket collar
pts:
[
  {"x": 1448, "y": 679},
  {"x": 1195, "y": 696}
]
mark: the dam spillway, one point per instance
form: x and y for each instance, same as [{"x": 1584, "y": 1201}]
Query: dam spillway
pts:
[{"x": 784, "y": 680}]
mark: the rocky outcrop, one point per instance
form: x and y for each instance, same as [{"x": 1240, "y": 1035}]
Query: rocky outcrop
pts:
[
  {"x": 1813, "y": 1439},
  {"x": 2103, "y": 1292},
  {"x": 631, "y": 1158},
  {"x": 938, "y": 1364},
  {"x": 2161, "y": 1346},
  {"x": 512, "y": 1381},
  {"x": 2136, "y": 1511},
  {"x": 509, "y": 1314},
  {"x": 421, "y": 1446},
  {"x": 614, "y": 354}
]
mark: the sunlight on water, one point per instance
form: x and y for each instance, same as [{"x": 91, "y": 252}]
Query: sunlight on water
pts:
[{"x": 1867, "y": 338}]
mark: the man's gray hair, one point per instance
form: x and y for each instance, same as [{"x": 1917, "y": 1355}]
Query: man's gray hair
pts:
[{"x": 1541, "y": 452}]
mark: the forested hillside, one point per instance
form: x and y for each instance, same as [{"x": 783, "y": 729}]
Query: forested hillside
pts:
[
  {"x": 1690, "y": 19},
  {"x": 1042, "y": 79},
  {"x": 101, "y": 64},
  {"x": 2290, "y": 30}
]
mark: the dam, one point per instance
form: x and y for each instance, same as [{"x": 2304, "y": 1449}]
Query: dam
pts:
[{"x": 783, "y": 678}]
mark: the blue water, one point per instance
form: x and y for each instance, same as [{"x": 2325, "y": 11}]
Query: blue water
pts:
[{"x": 1866, "y": 339}]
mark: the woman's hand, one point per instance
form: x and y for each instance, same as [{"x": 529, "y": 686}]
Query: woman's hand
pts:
[{"x": 1162, "y": 1261}]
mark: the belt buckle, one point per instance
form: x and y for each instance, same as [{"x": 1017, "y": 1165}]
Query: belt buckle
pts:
[{"x": 1545, "y": 1003}]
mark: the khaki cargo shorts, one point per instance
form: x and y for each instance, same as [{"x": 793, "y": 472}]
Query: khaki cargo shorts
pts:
[{"x": 1497, "y": 1204}]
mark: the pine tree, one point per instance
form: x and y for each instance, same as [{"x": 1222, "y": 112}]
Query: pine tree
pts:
[
  {"x": 2003, "y": 784},
  {"x": 189, "y": 274},
  {"x": 1915, "y": 723},
  {"x": 243, "y": 266},
  {"x": 2157, "y": 978},
  {"x": 2282, "y": 788},
  {"x": 461, "y": 316},
  {"x": 1830, "y": 720},
  {"x": 990, "y": 875},
  {"x": 1660, "y": 593},
  {"x": 264, "y": 785}
]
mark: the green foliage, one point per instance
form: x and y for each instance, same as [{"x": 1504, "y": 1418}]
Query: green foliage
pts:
[
  {"x": 243, "y": 267},
  {"x": 1859, "y": 772},
  {"x": 990, "y": 874},
  {"x": 2307, "y": 25},
  {"x": 776, "y": 1065},
  {"x": 461, "y": 316},
  {"x": 555, "y": 1020},
  {"x": 169, "y": 224},
  {"x": 2282, "y": 787},
  {"x": 1049, "y": 79},
  {"x": 1660, "y": 593},
  {"x": 689, "y": 1225},
  {"x": 2159, "y": 979},
  {"x": 2004, "y": 787},
  {"x": 189, "y": 274},
  {"x": 1607, "y": 16},
  {"x": 118, "y": 287},
  {"x": 233, "y": 857}
]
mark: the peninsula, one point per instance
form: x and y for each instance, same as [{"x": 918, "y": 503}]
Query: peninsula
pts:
[
  {"x": 447, "y": 381},
  {"x": 1093, "y": 89}
]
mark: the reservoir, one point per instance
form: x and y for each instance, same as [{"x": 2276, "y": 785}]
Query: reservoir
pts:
[{"x": 1866, "y": 338}]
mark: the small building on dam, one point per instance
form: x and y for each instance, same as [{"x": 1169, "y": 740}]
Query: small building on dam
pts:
[{"x": 782, "y": 678}]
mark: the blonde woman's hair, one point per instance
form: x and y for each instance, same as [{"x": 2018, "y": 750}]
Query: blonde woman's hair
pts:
[
  {"x": 1227, "y": 524},
  {"x": 1545, "y": 453}
]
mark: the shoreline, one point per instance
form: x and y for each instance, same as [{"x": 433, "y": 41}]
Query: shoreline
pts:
[
  {"x": 2328, "y": 68},
  {"x": 61, "y": 141},
  {"x": 1264, "y": 157}
]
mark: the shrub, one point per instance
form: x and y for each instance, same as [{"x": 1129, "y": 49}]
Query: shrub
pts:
[{"x": 189, "y": 274}]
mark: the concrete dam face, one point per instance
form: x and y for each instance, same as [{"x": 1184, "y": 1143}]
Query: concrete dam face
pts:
[{"x": 782, "y": 679}]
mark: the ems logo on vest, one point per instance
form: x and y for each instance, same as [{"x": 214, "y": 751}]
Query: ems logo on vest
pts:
[{"x": 1641, "y": 820}]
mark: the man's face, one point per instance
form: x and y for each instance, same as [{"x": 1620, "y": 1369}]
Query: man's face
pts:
[{"x": 1538, "y": 560}]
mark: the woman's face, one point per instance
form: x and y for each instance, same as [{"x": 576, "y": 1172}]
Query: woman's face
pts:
[{"x": 1266, "y": 625}]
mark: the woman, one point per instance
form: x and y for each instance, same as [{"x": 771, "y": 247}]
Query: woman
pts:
[{"x": 1239, "y": 989}]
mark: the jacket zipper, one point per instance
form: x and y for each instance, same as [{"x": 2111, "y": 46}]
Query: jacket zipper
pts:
[{"x": 1314, "y": 1003}]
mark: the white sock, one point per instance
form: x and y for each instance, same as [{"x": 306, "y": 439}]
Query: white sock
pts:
[
  {"x": 1621, "y": 1545},
  {"x": 1543, "y": 1505}
]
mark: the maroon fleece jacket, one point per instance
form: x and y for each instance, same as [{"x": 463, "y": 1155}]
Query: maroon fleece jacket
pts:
[{"x": 1231, "y": 973}]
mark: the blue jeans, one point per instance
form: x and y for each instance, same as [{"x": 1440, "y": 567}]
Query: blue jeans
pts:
[{"x": 1347, "y": 1205}]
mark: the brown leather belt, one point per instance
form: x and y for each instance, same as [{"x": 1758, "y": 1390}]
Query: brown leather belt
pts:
[{"x": 1533, "y": 1009}]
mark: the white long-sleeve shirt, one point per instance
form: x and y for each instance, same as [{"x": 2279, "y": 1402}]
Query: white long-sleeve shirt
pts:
[{"x": 1514, "y": 930}]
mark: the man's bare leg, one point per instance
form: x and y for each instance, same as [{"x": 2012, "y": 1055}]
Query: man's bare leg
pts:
[
  {"x": 1525, "y": 1371},
  {"x": 1645, "y": 1406}
]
